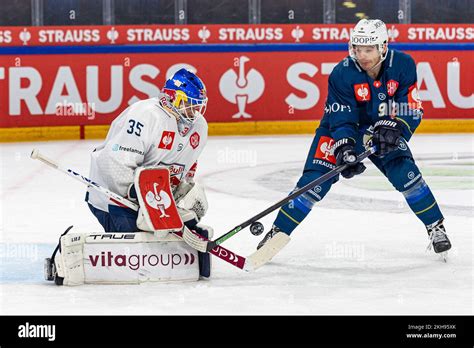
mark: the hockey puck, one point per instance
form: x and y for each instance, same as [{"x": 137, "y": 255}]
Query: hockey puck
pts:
[{"x": 256, "y": 228}]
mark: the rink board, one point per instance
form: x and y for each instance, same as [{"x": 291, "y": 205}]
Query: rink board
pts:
[
  {"x": 215, "y": 128},
  {"x": 53, "y": 90}
]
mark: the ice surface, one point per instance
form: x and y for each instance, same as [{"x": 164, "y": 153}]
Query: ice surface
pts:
[{"x": 361, "y": 251}]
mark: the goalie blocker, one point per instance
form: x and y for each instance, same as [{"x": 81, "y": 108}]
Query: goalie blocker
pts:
[{"x": 121, "y": 258}]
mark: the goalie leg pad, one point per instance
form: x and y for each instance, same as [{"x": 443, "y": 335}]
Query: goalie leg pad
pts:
[{"x": 125, "y": 258}]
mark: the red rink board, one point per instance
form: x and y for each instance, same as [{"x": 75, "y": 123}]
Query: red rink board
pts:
[
  {"x": 222, "y": 34},
  {"x": 289, "y": 86}
]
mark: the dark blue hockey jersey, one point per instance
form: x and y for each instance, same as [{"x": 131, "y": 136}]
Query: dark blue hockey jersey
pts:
[{"x": 355, "y": 100}]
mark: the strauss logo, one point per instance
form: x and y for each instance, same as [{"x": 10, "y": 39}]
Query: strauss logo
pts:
[
  {"x": 204, "y": 34},
  {"x": 167, "y": 140},
  {"x": 158, "y": 199},
  {"x": 25, "y": 36},
  {"x": 112, "y": 35},
  {"x": 327, "y": 149},
  {"x": 363, "y": 92},
  {"x": 241, "y": 89},
  {"x": 297, "y": 33}
]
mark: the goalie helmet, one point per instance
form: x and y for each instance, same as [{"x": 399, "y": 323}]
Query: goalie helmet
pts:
[
  {"x": 369, "y": 32},
  {"x": 187, "y": 94}
]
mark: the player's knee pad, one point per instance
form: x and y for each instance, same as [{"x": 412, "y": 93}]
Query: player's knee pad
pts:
[
  {"x": 417, "y": 192},
  {"x": 403, "y": 173}
]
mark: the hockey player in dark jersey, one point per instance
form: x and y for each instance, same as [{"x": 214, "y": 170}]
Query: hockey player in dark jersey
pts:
[{"x": 372, "y": 99}]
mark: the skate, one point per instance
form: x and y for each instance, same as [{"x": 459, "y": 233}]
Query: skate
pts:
[
  {"x": 268, "y": 236},
  {"x": 438, "y": 239}
]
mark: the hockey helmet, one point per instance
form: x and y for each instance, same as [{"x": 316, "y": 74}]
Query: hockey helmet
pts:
[
  {"x": 187, "y": 93},
  {"x": 369, "y": 32}
]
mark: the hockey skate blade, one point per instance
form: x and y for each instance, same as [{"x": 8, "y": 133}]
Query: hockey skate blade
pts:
[
  {"x": 444, "y": 256},
  {"x": 266, "y": 252}
]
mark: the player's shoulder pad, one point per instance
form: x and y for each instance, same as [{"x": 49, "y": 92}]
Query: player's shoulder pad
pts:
[
  {"x": 149, "y": 109},
  {"x": 400, "y": 59},
  {"x": 200, "y": 125},
  {"x": 345, "y": 71}
]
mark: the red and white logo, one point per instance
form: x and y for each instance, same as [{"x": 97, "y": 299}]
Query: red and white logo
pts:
[
  {"x": 362, "y": 92},
  {"x": 392, "y": 86},
  {"x": 377, "y": 84},
  {"x": 194, "y": 140},
  {"x": 192, "y": 171},
  {"x": 325, "y": 150},
  {"x": 242, "y": 87},
  {"x": 166, "y": 141},
  {"x": 25, "y": 36},
  {"x": 414, "y": 101},
  {"x": 158, "y": 199},
  {"x": 297, "y": 33},
  {"x": 204, "y": 34}
]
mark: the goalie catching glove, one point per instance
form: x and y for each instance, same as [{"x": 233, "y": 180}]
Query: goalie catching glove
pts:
[{"x": 191, "y": 201}]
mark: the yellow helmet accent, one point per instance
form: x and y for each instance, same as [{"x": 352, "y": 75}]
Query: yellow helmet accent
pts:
[{"x": 180, "y": 95}]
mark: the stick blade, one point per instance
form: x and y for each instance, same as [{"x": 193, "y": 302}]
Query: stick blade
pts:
[
  {"x": 34, "y": 153},
  {"x": 267, "y": 252},
  {"x": 194, "y": 240}
]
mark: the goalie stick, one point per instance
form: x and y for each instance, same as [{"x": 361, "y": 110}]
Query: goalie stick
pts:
[
  {"x": 218, "y": 251},
  {"x": 203, "y": 246}
]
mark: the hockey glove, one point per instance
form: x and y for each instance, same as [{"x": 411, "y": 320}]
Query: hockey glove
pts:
[
  {"x": 344, "y": 150},
  {"x": 387, "y": 135}
]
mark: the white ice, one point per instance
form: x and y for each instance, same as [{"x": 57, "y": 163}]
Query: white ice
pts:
[{"x": 360, "y": 251}]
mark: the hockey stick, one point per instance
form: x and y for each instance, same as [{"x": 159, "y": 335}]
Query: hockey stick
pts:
[
  {"x": 218, "y": 251},
  {"x": 204, "y": 246}
]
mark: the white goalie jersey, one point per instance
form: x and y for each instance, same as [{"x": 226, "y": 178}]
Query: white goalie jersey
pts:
[{"x": 144, "y": 135}]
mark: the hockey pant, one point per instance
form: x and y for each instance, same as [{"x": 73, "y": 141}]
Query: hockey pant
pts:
[{"x": 398, "y": 166}]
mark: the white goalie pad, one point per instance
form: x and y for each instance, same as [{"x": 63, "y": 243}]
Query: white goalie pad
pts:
[{"x": 125, "y": 258}]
